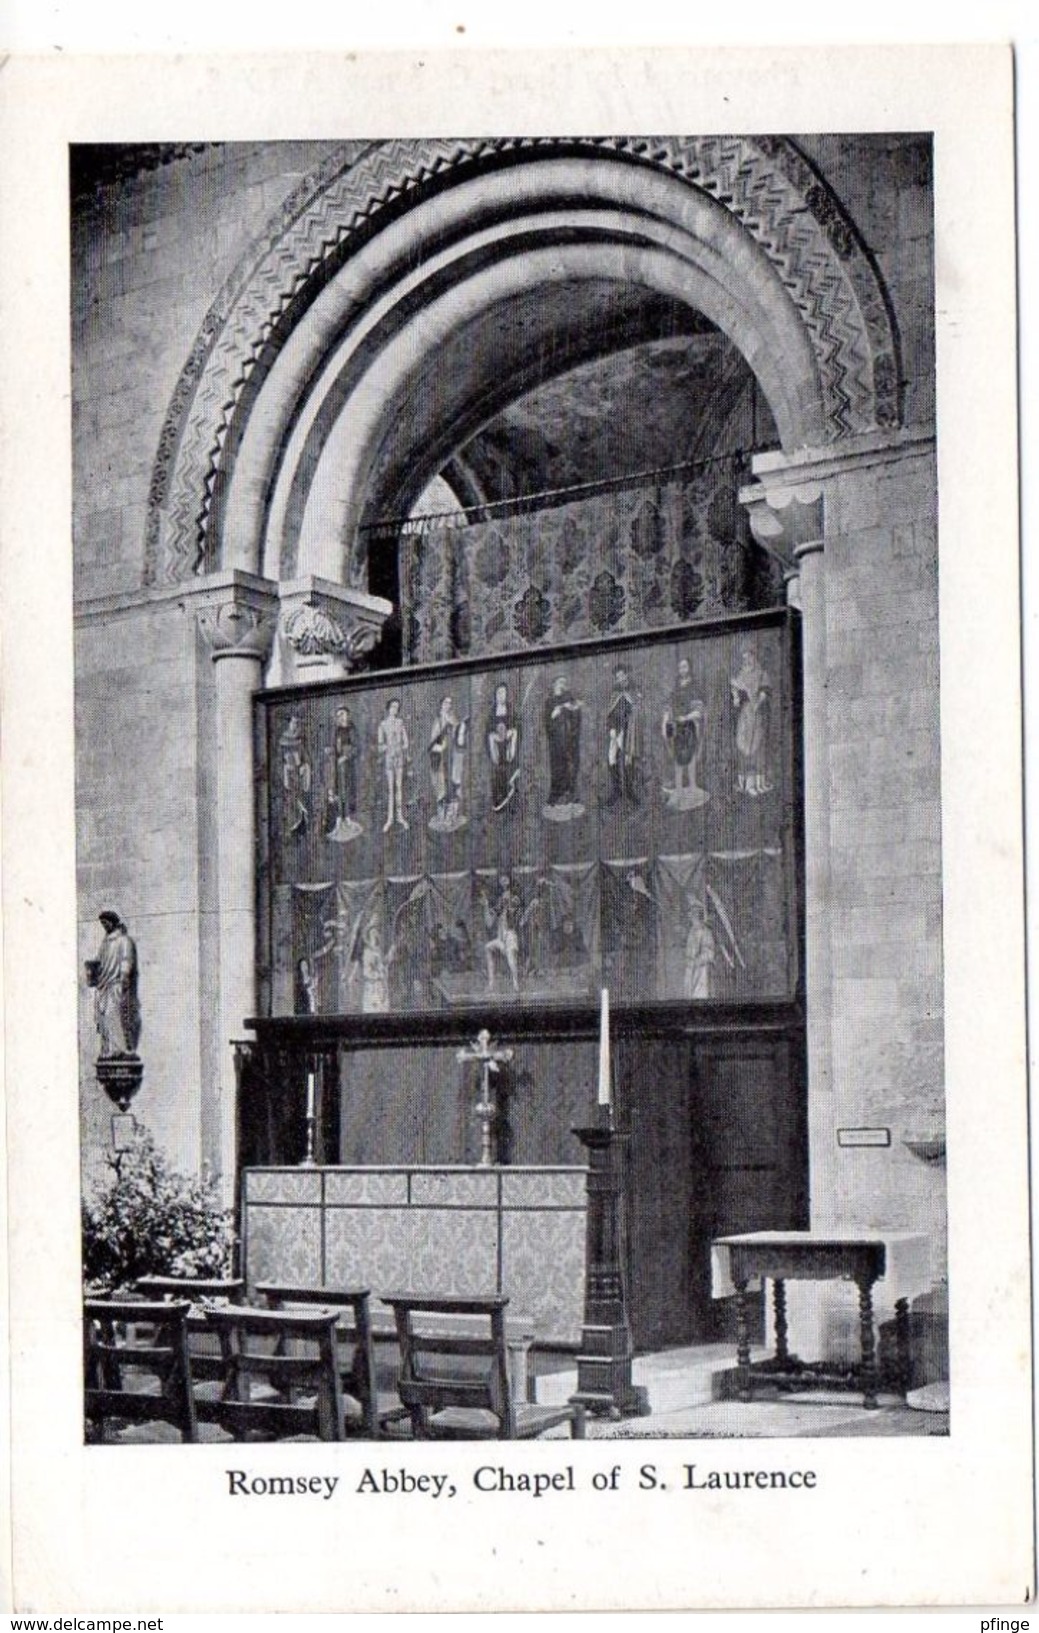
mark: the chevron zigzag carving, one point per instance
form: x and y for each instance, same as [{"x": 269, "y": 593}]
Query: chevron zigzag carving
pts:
[{"x": 765, "y": 183}]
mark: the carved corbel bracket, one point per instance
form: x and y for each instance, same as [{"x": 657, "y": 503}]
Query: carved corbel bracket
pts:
[
  {"x": 326, "y": 630},
  {"x": 788, "y": 523},
  {"x": 785, "y": 520}
]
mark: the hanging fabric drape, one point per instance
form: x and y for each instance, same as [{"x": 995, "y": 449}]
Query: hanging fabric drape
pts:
[{"x": 610, "y": 563}]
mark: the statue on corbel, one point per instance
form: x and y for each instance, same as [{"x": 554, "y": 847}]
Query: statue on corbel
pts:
[{"x": 117, "y": 1010}]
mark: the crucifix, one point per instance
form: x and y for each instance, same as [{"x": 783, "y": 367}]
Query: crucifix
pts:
[{"x": 490, "y": 1059}]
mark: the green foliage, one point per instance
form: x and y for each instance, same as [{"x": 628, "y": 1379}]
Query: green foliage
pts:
[{"x": 148, "y": 1220}]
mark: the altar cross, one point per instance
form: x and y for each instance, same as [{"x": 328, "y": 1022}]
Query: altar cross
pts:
[{"x": 490, "y": 1058}]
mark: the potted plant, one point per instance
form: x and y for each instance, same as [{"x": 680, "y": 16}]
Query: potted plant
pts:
[{"x": 149, "y": 1220}]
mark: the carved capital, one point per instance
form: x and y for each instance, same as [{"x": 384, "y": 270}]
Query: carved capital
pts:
[
  {"x": 326, "y": 629},
  {"x": 235, "y": 629},
  {"x": 786, "y": 521}
]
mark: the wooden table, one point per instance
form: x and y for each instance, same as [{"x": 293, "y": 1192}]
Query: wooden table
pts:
[{"x": 901, "y": 1259}]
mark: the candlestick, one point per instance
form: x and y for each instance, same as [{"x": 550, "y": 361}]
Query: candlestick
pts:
[
  {"x": 308, "y": 1160},
  {"x": 605, "y": 1090}
]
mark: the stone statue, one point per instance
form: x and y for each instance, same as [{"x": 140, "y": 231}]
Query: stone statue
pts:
[{"x": 113, "y": 975}]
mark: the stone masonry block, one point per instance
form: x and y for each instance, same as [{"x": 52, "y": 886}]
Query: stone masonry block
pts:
[
  {"x": 878, "y": 959},
  {"x": 902, "y": 921}
]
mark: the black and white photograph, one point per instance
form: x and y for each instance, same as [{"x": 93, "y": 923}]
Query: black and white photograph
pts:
[
  {"x": 521, "y": 618},
  {"x": 517, "y": 894}
]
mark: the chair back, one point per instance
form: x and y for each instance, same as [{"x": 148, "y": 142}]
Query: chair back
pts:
[
  {"x": 454, "y": 1382},
  {"x": 196, "y": 1289},
  {"x": 200, "y": 1291},
  {"x": 136, "y": 1365},
  {"x": 354, "y": 1340},
  {"x": 280, "y": 1373}
]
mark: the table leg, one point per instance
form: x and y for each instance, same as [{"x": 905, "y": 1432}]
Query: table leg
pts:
[
  {"x": 869, "y": 1347},
  {"x": 902, "y": 1349},
  {"x": 742, "y": 1343},
  {"x": 779, "y": 1312}
]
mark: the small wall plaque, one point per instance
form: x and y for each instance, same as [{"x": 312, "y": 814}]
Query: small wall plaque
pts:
[
  {"x": 124, "y": 1128},
  {"x": 863, "y": 1136}
]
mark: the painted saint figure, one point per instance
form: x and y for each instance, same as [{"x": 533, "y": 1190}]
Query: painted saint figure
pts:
[
  {"x": 502, "y": 742},
  {"x": 451, "y": 950},
  {"x": 340, "y": 824},
  {"x": 113, "y": 975},
  {"x": 635, "y": 937},
  {"x": 623, "y": 747},
  {"x": 568, "y": 945},
  {"x": 683, "y": 731},
  {"x": 448, "y": 742},
  {"x": 306, "y": 989},
  {"x": 500, "y": 916},
  {"x": 392, "y": 747},
  {"x": 700, "y": 953},
  {"x": 375, "y": 971},
  {"x": 562, "y": 717},
  {"x": 752, "y": 700},
  {"x": 295, "y": 777}
]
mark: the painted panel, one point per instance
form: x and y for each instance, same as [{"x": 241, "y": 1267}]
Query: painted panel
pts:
[
  {"x": 541, "y": 1189},
  {"x": 454, "y": 1190},
  {"x": 366, "y": 1186},
  {"x": 370, "y": 1247},
  {"x": 282, "y": 1185},
  {"x": 543, "y": 1261},
  {"x": 530, "y": 830},
  {"x": 284, "y": 1244}
]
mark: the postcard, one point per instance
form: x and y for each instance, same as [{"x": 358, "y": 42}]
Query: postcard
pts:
[{"x": 514, "y": 978}]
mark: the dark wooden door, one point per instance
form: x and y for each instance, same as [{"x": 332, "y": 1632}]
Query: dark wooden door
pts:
[
  {"x": 749, "y": 1151},
  {"x": 653, "y": 1109}
]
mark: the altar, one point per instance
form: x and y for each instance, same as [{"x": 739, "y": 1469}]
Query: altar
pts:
[{"x": 519, "y": 1231}]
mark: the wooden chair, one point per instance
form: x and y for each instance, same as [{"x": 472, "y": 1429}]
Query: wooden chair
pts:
[
  {"x": 455, "y": 1384},
  {"x": 280, "y": 1376},
  {"x": 201, "y": 1292},
  {"x": 354, "y": 1343},
  {"x": 136, "y": 1365}
]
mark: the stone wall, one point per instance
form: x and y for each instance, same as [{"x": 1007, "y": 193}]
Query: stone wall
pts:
[
  {"x": 881, "y": 567},
  {"x": 142, "y": 850},
  {"x": 149, "y": 256}
]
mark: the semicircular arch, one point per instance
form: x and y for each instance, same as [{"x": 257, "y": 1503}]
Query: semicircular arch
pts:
[{"x": 778, "y": 217}]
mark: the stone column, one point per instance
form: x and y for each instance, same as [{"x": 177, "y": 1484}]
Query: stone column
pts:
[
  {"x": 788, "y": 522},
  {"x": 238, "y": 629}
]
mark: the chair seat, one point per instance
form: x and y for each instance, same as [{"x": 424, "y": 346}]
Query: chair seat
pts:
[{"x": 478, "y": 1423}]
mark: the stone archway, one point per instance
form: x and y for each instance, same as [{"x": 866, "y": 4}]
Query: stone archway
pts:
[
  {"x": 394, "y": 254},
  {"x": 381, "y": 284}
]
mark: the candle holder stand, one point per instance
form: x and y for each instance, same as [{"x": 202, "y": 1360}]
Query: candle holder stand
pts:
[
  {"x": 315, "y": 1096},
  {"x": 604, "y": 1385},
  {"x": 308, "y": 1160}
]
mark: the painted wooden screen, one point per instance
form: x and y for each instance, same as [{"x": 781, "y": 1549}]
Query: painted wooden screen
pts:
[{"x": 523, "y": 831}]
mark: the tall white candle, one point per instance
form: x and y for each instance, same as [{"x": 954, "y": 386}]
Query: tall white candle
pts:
[
  {"x": 604, "y": 1050},
  {"x": 310, "y": 1095}
]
